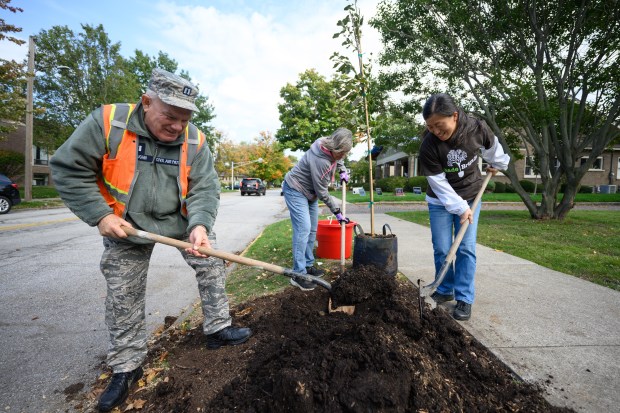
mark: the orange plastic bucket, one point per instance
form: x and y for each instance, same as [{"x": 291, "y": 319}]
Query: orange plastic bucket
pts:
[{"x": 328, "y": 236}]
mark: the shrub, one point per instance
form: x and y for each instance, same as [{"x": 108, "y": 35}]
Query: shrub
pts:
[
  {"x": 528, "y": 186},
  {"x": 585, "y": 189},
  {"x": 390, "y": 183},
  {"x": 491, "y": 186},
  {"x": 417, "y": 181},
  {"x": 11, "y": 163},
  {"x": 500, "y": 188}
]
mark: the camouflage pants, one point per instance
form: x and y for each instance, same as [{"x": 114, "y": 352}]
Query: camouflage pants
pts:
[{"x": 124, "y": 266}]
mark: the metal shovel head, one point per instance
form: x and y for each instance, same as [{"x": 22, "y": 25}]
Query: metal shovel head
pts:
[
  {"x": 428, "y": 300},
  {"x": 347, "y": 309}
]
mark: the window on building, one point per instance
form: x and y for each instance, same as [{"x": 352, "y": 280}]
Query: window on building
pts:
[
  {"x": 596, "y": 166},
  {"x": 39, "y": 156},
  {"x": 40, "y": 180},
  {"x": 483, "y": 165},
  {"x": 529, "y": 168}
]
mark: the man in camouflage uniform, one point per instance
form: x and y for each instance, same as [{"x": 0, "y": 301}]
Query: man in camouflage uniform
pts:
[{"x": 146, "y": 166}]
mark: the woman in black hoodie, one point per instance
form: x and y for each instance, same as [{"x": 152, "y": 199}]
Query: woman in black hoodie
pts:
[{"x": 450, "y": 160}]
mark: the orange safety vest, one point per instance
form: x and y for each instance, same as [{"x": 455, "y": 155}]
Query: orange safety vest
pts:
[{"x": 119, "y": 163}]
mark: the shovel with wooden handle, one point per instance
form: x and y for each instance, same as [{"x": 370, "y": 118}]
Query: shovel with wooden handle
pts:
[
  {"x": 228, "y": 257},
  {"x": 427, "y": 290}
]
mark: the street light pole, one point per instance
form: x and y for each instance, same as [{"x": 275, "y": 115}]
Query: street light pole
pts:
[
  {"x": 232, "y": 175},
  {"x": 29, "y": 123}
]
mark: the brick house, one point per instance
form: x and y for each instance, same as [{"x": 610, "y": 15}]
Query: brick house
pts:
[{"x": 16, "y": 142}]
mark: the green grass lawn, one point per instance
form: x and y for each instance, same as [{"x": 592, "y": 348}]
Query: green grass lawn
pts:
[
  {"x": 272, "y": 246},
  {"x": 42, "y": 197},
  {"x": 488, "y": 197},
  {"x": 585, "y": 244}
]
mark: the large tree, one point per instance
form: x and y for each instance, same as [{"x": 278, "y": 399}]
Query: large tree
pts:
[
  {"x": 274, "y": 165},
  {"x": 12, "y": 79},
  {"x": 142, "y": 65},
  {"x": 546, "y": 72},
  {"x": 272, "y": 168},
  {"x": 311, "y": 109},
  {"x": 75, "y": 74},
  {"x": 78, "y": 72}
]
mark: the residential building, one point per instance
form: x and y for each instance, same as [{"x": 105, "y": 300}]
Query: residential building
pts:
[
  {"x": 605, "y": 171},
  {"x": 16, "y": 142}
]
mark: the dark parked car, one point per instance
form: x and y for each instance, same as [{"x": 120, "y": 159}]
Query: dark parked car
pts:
[
  {"x": 252, "y": 186},
  {"x": 9, "y": 194}
]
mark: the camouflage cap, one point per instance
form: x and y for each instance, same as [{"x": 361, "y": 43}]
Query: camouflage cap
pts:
[{"x": 173, "y": 89}]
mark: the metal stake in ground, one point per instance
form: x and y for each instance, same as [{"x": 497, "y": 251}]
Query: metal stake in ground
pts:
[{"x": 343, "y": 226}]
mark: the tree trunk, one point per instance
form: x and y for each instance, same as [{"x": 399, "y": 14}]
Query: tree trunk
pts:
[{"x": 567, "y": 202}]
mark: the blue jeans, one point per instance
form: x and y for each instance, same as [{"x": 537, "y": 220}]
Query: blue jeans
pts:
[
  {"x": 459, "y": 279},
  {"x": 304, "y": 220}
]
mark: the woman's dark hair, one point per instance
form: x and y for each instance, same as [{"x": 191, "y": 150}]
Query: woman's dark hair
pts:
[{"x": 440, "y": 103}]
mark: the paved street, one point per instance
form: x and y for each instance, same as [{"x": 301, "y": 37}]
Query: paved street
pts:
[{"x": 52, "y": 331}]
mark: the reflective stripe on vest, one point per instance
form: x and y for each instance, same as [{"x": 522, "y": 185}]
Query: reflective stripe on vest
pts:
[{"x": 120, "y": 162}]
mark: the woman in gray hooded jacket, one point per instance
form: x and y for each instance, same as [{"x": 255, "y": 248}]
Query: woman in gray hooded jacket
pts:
[{"x": 304, "y": 186}]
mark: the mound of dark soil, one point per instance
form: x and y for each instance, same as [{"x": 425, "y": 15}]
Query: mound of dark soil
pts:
[{"x": 304, "y": 359}]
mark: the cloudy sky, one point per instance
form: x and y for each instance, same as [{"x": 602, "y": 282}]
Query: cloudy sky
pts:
[{"x": 239, "y": 52}]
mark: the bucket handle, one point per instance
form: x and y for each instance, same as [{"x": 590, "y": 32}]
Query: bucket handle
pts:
[
  {"x": 384, "y": 232},
  {"x": 361, "y": 233}
]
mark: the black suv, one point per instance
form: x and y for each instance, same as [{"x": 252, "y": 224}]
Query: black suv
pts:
[
  {"x": 252, "y": 186},
  {"x": 9, "y": 194}
]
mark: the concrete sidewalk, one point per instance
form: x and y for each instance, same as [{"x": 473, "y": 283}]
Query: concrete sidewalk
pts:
[{"x": 550, "y": 328}]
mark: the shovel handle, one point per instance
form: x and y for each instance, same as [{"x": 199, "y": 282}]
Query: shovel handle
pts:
[{"x": 225, "y": 256}]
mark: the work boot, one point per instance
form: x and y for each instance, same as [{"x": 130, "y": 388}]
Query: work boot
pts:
[
  {"x": 462, "y": 312},
  {"x": 303, "y": 284},
  {"x": 315, "y": 271},
  {"x": 442, "y": 298},
  {"x": 118, "y": 389},
  {"x": 228, "y": 336}
]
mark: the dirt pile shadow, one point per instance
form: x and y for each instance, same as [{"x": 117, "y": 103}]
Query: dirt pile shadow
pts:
[{"x": 303, "y": 359}]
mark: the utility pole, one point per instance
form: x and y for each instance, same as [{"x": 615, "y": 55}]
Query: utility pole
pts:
[{"x": 29, "y": 123}]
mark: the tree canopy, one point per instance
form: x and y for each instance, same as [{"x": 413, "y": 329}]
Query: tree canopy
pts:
[
  {"x": 244, "y": 155},
  {"x": 12, "y": 78},
  {"x": 546, "y": 73},
  {"x": 311, "y": 109},
  {"x": 77, "y": 72}
]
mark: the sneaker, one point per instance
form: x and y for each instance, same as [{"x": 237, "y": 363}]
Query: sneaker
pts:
[
  {"x": 441, "y": 298},
  {"x": 303, "y": 284},
  {"x": 228, "y": 336},
  {"x": 315, "y": 271},
  {"x": 118, "y": 389},
  {"x": 462, "y": 312}
]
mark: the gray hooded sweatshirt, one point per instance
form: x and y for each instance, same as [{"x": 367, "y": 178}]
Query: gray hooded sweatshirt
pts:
[{"x": 313, "y": 173}]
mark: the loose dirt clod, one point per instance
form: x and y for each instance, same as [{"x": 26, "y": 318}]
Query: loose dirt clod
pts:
[{"x": 303, "y": 359}]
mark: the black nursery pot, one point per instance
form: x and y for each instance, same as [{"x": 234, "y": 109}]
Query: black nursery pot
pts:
[{"x": 378, "y": 250}]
